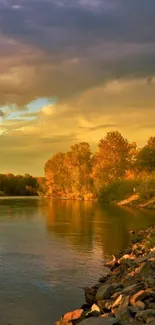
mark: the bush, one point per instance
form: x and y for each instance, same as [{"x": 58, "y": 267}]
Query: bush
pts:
[
  {"x": 119, "y": 190},
  {"x": 147, "y": 188}
]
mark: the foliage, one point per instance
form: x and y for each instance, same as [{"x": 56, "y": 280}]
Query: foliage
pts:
[
  {"x": 112, "y": 159},
  {"x": 147, "y": 188},
  {"x": 146, "y": 157},
  {"x": 69, "y": 174},
  {"x": 18, "y": 185},
  {"x": 119, "y": 190},
  {"x": 114, "y": 172}
]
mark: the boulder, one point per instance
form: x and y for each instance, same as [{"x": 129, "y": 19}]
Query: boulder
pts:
[
  {"x": 123, "y": 314},
  {"x": 131, "y": 289},
  {"x": 90, "y": 294},
  {"x": 140, "y": 295},
  {"x": 104, "y": 292},
  {"x": 140, "y": 304},
  {"x": 106, "y": 274},
  {"x": 73, "y": 315},
  {"x": 95, "y": 308},
  {"x": 99, "y": 321},
  {"x": 105, "y": 305},
  {"x": 145, "y": 257},
  {"x": 121, "y": 302},
  {"x": 145, "y": 315},
  {"x": 63, "y": 322}
]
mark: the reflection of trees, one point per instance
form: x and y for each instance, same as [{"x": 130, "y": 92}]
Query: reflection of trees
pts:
[
  {"x": 88, "y": 224},
  {"x": 19, "y": 208}
]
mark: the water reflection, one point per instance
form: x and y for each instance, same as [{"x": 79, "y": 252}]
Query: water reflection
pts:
[
  {"x": 83, "y": 224},
  {"x": 51, "y": 249}
]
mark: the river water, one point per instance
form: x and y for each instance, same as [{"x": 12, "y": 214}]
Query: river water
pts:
[{"x": 50, "y": 250}]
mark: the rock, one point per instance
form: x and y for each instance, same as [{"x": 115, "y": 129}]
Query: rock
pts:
[
  {"x": 123, "y": 314},
  {"x": 150, "y": 320},
  {"x": 99, "y": 321},
  {"x": 128, "y": 281},
  {"x": 95, "y": 308},
  {"x": 117, "y": 301},
  {"x": 63, "y": 322},
  {"x": 117, "y": 286},
  {"x": 108, "y": 304},
  {"x": 121, "y": 302},
  {"x": 145, "y": 314},
  {"x": 140, "y": 304},
  {"x": 101, "y": 304},
  {"x": 145, "y": 269},
  {"x": 148, "y": 302},
  {"x": 106, "y": 274},
  {"x": 133, "y": 310},
  {"x": 150, "y": 282},
  {"x": 108, "y": 315},
  {"x": 152, "y": 294},
  {"x": 140, "y": 295},
  {"x": 104, "y": 305},
  {"x": 145, "y": 257},
  {"x": 131, "y": 289},
  {"x": 73, "y": 315},
  {"x": 136, "y": 322},
  {"x": 85, "y": 307},
  {"x": 90, "y": 294},
  {"x": 104, "y": 292},
  {"x": 115, "y": 295}
]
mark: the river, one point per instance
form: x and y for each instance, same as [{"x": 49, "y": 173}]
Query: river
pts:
[{"x": 50, "y": 250}]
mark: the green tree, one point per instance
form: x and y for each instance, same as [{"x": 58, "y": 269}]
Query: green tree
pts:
[{"x": 146, "y": 156}]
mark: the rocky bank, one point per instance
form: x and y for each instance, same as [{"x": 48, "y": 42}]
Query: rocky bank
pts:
[{"x": 125, "y": 294}]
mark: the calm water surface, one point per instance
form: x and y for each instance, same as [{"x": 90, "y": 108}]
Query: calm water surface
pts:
[{"x": 49, "y": 250}]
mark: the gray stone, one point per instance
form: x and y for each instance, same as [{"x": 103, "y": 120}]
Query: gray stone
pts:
[
  {"x": 123, "y": 314},
  {"x": 104, "y": 292},
  {"x": 145, "y": 314},
  {"x": 131, "y": 289},
  {"x": 106, "y": 274},
  {"x": 133, "y": 310},
  {"x": 152, "y": 294},
  {"x": 145, "y": 257},
  {"x": 99, "y": 321}
]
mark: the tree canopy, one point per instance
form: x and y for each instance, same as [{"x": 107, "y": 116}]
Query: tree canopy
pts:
[{"x": 78, "y": 173}]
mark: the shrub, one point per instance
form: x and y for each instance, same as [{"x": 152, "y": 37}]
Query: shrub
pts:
[{"x": 119, "y": 190}]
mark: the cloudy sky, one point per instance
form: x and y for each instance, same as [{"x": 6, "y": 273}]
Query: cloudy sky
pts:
[{"x": 72, "y": 70}]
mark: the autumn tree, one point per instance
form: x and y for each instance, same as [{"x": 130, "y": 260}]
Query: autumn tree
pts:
[
  {"x": 79, "y": 163},
  {"x": 56, "y": 173},
  {"x": 111, "y": 160}
]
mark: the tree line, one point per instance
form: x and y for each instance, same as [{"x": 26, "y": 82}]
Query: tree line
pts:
[
  {"x": 79, "y": 173},
  {"x": 12, "y": 185}
]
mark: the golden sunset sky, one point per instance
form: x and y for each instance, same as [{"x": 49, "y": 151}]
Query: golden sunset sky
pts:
[{"x": 70, "y": 71}]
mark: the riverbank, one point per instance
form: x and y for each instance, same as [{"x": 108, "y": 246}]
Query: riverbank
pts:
[
  {"x": 135, "y": 201},
  {"x": 125, "y": 294}
]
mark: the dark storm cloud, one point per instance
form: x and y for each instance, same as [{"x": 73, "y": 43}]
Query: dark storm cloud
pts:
[
  {"x": 54, "y": 25},
  {"x": 83, "y": 43}
]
